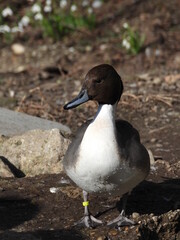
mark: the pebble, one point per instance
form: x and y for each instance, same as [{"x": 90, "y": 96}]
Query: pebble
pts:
[
  {"x": 157, "y": 80},
  {"x": 153, "y": 140},
  {"x": 100, "y": 238},
  {"x": 113, "y": 232},
  {"x": 92, "y": 233},
  {"x": 158, "y": 145},
  {"x": 135, "y": 215},
  {"x": 20, "y": 69},
  {"x": 88, "y": 48},
  {"x": 144, "y": 76},
  {"x": 177, "y": 58},
  {"x": 171, "y": 79},
  {"x": 158, "y": 52},
  {"x": 103, "y": 47},
  {"x": 18, "y": 49},
  {"x": 155, "y": 218},
  {"x": 11, "y": 93},
  {"x": 64, "y": 181},
  {"x": 178, "y": 84},
  {"x": 133, "y": 85},
  {"x": 71, "y": 49},
  {"x": 54, "y": 190},
  {"x": 148, "y": 52}
]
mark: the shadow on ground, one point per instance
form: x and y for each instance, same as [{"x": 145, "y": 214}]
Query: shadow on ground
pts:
[
  {"x": 156, "y": 198},
  {"x": 149, "y": 197},
  {"x": 14, "y": 212},
  {"x": 43, "y": 235}
]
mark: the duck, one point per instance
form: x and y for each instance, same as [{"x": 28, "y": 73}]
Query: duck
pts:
[{"x": 106, "y": 154}]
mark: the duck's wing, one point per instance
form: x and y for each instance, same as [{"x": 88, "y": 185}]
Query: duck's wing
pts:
[
  {"x": 130, "y": 146},
  {"x": 70, "y": 156}
]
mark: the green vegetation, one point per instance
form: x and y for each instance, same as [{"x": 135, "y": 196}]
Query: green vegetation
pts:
[
  {"x": 54, "y": 18},
  {"x": 132, "y": 41}
]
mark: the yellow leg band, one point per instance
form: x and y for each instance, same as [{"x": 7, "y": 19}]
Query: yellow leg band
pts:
[{"x": 85, "y": 204}]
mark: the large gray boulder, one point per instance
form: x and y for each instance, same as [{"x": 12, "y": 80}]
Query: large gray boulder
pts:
[
  {"x": 32, "y": 153},
  {"x": 15, "y": 123}
]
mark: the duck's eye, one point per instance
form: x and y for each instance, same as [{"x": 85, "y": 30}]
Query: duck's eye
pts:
[{"x": 99, "y": 80}]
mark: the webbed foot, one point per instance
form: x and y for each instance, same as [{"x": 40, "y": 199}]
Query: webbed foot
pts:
[
  {"x": 121, "y": 221},
  {"x": 88, "y": 221}
]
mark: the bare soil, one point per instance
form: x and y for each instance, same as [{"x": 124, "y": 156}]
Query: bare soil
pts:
[{"x": 49, "y": 74}]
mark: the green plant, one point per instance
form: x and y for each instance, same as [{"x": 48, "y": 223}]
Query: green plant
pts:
[
  {"x": 55, "y": 18},
  {"x": 57, "y": 22},
  {"x": 59, "y": 25},
  {"x": 132, "y": 41}
]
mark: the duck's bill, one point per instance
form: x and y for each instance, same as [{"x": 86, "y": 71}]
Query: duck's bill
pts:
[{"x": 81, "y": 98}]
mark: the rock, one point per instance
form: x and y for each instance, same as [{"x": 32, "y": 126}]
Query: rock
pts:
[
  {"x": 103, "y": 47},
  {"x": 54, "y": 190},
  {"x": 157, "y": 80},
  {"x": 5, "y": 170},
  {"x": 155, "y": 219},
  {"x": 144, "y": 76},
  {"x": 100, "y": 238},
  {"x": 16, "y": 123},
  {"x": 148, "y": 52},
  {"x": 88, "y": 48},
  {"x": 171, "y": 79},
  {"x": 177, "y": 58},
  {"x": 35, "y": 152},
  {"x": 135, "y": 215},
  {"x": 113, "y": 232},
  {"x": 18, "y": 49}
]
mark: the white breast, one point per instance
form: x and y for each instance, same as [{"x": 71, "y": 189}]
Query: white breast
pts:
[{"x": 98, "y": 156}]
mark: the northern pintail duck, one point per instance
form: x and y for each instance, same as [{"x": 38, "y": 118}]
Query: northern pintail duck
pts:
[{"x": 106, "y": 155}]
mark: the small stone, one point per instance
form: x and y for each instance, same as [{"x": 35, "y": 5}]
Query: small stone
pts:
[
  {"x": 133, "y": 85},
  {"x": 88, "y": 48},
  {"x": 157, "y": 80},
  {"x": 20, "y": 69},
  {"x": 178, "y": 84},
  {"x": 54, "y": 190},
  {"x": 135, "y": 215},
  {"x": 92, "y": 233},
  {"x": 177, "y": 59},
  {"x": 113, "y": 232},
  {"x": 18, "y": 49},
  {"x": 126, "y": 229},
  {"x": 144, "y": 76},
  {"x": 148, "y": 52},
  {"x": 155, "y": 218},
  {"x": 103, "y": 47},
  {"x": 158, "y": 52},
  {"x": 11, "y": 93},
  {"x": 171, "y": 79},
  {"x": 100, "y": 238},
  {"x": 158, "y": 145}
]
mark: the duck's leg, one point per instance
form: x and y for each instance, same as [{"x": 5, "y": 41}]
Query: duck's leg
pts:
[
  {"x": 121, "y": 220},
  {"x": 88, "y": 220}
]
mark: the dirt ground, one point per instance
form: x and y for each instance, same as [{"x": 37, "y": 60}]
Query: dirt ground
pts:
[{"x": 49, "y": 74}]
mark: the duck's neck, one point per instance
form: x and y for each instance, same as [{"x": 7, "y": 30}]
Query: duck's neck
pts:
[{"x": 105, "y": 113}]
